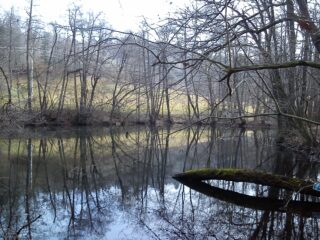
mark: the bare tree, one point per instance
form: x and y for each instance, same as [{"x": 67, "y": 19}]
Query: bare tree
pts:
[{"x": 30, "y": 57}]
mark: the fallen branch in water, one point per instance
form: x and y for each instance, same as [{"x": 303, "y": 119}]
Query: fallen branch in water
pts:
[
  {"x": 303, "y": 208},
  {"x": 250, "y": 176}
]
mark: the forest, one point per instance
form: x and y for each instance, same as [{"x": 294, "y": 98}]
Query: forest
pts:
[
  {"x": 203, "y": 125},
  {"x": 252, "y": 62}
]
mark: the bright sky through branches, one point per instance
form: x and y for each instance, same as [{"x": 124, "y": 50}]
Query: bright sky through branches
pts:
[{"x": 121, "y": 14}]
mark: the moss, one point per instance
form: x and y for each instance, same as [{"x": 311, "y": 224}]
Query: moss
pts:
[{"x": 210, "y": 170}]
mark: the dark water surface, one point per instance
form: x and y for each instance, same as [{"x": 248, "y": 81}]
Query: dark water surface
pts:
[{"x": 107, "y": 183}]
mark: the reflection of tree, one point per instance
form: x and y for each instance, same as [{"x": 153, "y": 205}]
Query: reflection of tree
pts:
[
  {"x": 9, "y": 230},
  {"x": 211, "y": 141},
  {"x": 163, "y": 159},
  {"x": 74, "y": 189},
  {"x": 14, "y": 221},
  {"x": 303, "y": 208},
  {"x": 198, "y": 217},
  {"x": 43, "y": 148},
  {"x": 140, "y": 162},
  {"x": 115, "y": 157},
  {"x": 220, "y": 219},
  {"x": 287, "y": 164},
  {"x": 29, "y": 187},
  {"x": 82, "y": 182},
  {"x": 94, "y": 173},
  {"x": 70, "y": 196},
  {"x": 81, "y": 186}
]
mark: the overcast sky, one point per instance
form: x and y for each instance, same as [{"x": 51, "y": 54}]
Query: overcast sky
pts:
[{"x": 121, "y": 14}]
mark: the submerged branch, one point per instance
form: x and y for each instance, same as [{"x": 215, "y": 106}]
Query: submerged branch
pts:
[
  {"x": 250, "y": 176},
  {"x": 260, "y": 203}
]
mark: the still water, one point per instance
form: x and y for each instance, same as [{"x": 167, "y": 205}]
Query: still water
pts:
[{"x": 117, "y": 183}]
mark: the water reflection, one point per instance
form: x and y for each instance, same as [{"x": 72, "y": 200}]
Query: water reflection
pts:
[{"x": 116, "y": 184}]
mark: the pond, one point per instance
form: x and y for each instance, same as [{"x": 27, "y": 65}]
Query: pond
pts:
[{"x": 116, "y": 183}]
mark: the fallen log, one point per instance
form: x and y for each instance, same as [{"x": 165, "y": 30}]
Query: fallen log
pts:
[
  {"x": 250, "y": 176},
  {"x": 303, "y": 208}
]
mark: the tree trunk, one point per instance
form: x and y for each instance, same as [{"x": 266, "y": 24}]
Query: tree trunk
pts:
[{"x": 29, "y": 59}]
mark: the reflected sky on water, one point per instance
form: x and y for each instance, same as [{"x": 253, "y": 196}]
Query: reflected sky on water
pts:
[{"x": 117, "y": 183}]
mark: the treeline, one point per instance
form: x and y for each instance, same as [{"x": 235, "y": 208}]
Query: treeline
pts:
[
  {"x": 85, "y": 67},
  {"x": 235, "y": 60}
]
